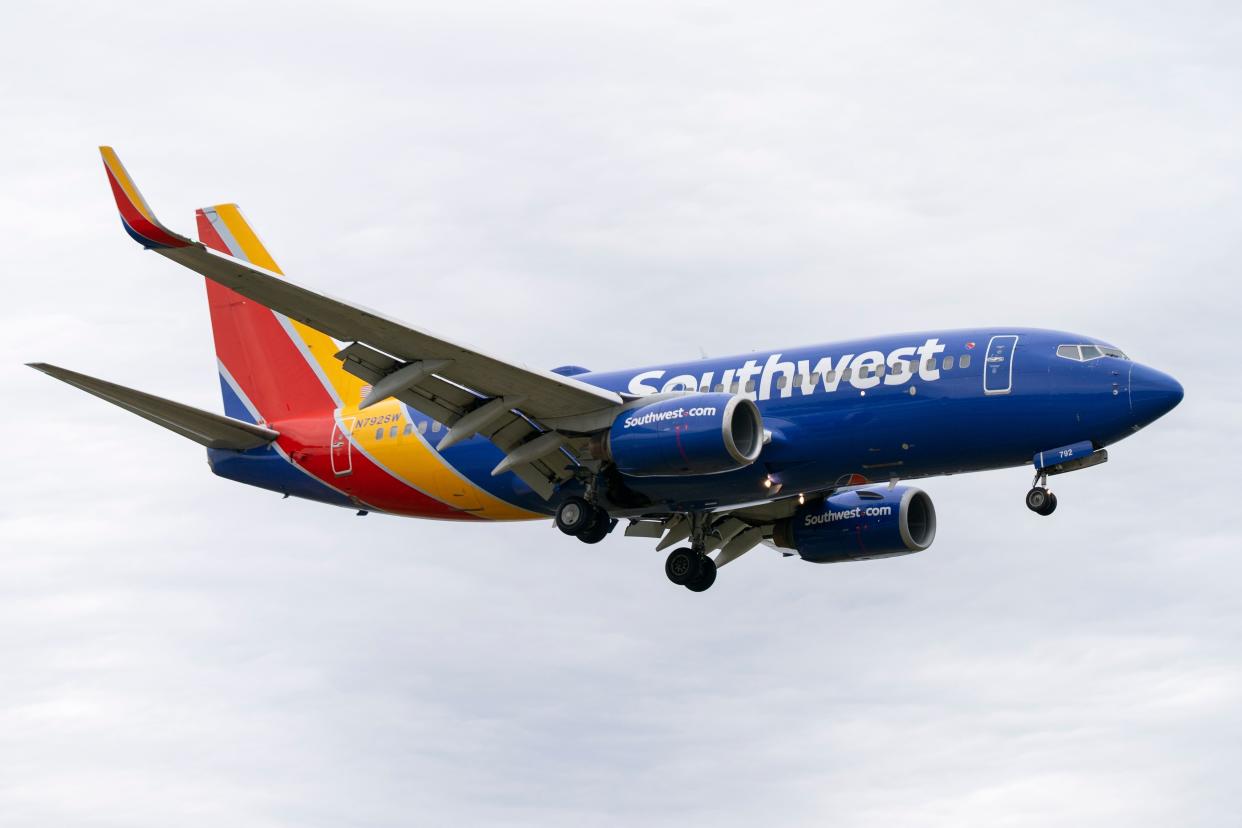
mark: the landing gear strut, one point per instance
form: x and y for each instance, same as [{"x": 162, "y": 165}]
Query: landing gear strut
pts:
[
  {"x": 1039, "y": 500},
  {"x": 691, "y": 567}
]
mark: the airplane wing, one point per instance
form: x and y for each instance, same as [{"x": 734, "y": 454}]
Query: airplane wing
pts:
[
  {"x": 203, "y": 427},
  {"x": 733, "y": 530},
  {"x": 461, "y": 386}
]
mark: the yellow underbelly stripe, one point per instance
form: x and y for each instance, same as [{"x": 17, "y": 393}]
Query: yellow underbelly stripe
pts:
[{"x": 410, "y": 458}]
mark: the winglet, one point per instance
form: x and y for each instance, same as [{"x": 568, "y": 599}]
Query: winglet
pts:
[{"x": 137, "y": 217}]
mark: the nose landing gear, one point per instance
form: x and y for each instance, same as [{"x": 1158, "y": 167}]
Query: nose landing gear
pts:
[{"x": 1039, "y": 500}]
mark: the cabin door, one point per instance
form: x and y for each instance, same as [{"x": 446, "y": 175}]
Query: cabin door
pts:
[
  {"x": 998, "y": 364},
  {"x": 342, "y": 447}
]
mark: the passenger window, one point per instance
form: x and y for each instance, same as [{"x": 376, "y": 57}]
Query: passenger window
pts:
[
  {"x": 965, "y": 363},
  {"x": 379, "y": 433},
  {"x": 719, "y": 387},
  {"x": 781, "y": 382},
  {"x": 436, "y": 425},
  {"x": 846, "y": 374},
  {"x": 422, "y": 427},
  {"x": 750, "y": 386},
  {"x": 830, "y": 376},
  {"x": 392, "y": 432},
  {"x": 815, "y": 377},
  {"x": 879, "y": 370},
  {"x": 409, "y": 429}
]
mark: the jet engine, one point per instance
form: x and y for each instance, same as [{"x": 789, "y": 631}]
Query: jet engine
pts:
[
  {"x": 860, "y": 525},
  {"x": 688, "y": 434}
]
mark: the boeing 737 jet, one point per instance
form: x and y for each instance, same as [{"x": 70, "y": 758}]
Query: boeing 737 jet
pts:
[{"x": 804, "y": 449}]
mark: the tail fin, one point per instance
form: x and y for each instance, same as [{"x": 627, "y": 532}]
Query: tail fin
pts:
[{"x": 271, "y": 366}]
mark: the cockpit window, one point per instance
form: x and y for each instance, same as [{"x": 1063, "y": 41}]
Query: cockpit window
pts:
[
  {"x": 1084, "y": 353},
  {"x": 1069, "y": 352}
]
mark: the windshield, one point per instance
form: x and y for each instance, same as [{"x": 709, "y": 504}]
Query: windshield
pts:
[{"x": 1087, "y": 352}]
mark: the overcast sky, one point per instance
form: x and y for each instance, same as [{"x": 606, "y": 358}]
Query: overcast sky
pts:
[{"x": 612, "y": 185}]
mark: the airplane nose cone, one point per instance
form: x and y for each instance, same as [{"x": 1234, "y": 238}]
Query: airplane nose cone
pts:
[{"x": 1152, "y": 393}]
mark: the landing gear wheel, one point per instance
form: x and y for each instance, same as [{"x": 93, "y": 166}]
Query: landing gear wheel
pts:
[
  {"x": 598, "y": 529},
  {"x": 705, "y": 577},
  {"x": 1050, "y": 506},
  {"x": 1037, "y": 500},
  {"x": 574, "y": 516},
  {"x": 682, "y": 566}
]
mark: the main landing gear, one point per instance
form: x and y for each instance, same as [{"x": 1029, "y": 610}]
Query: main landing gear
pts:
[
  {"x": 584, "y": 521},
  {"x": 693, "y": 570},
  {"x": 691, "y": 567},
  {"x": 1039, "y": 500}
]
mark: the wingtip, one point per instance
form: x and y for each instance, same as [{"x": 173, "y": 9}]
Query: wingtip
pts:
[{"x": 140, "y": 222}]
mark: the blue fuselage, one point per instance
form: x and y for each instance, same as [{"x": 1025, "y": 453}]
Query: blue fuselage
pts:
[{"x": 966, "y": 400}]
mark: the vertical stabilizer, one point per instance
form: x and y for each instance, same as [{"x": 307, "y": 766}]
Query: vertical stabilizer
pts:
[{"x": 271, "y": 367}]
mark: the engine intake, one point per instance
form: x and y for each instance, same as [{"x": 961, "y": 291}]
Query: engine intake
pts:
[
  {"x": 688, "y": 434},
  {"x": 860, "y": 525}
]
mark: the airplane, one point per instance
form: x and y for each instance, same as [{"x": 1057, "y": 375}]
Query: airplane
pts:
[{"x": 803, "y": 449}]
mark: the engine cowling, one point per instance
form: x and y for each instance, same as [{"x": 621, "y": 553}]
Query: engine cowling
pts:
[
  {"x": 860, "y": 525},
  {"x": 688, "y": 434}
]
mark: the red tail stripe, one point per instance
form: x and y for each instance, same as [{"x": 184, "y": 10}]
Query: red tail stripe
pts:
[{"x": 257, "y": 351}]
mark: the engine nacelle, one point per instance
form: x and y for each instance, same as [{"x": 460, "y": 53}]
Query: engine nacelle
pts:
[
  {"x": 688, "y": 434},
  {"x": 860, "y": 525}
]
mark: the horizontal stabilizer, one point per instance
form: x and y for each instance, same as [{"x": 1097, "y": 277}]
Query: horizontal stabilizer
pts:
[{"x": 203, "y": 427}]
